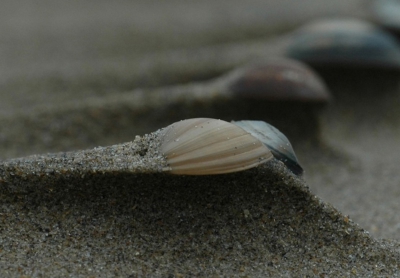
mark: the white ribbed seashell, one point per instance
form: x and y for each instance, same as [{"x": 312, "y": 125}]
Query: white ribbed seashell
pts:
[
  {"x": 275, "y": 140},
  {"x": 204, "y": 146}
]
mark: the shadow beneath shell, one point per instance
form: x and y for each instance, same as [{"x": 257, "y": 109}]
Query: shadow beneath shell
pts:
[{"x": 362, "y": 82}]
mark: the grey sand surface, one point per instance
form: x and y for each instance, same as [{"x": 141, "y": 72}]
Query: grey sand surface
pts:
[{"x": 259, "y": 222}]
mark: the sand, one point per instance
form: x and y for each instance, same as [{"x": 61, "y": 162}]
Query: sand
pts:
[
  {"x": 87, "y": 197},
  {"x": 103, "y": 222}
]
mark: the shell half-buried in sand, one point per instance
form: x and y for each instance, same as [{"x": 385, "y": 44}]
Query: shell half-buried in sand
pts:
[
  {"x": 203, "y": 146},
  {"x": 275, "y": 140}
]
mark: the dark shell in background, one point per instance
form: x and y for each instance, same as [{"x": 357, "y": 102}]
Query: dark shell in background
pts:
[
  {"x": 279, "y": 80},
  {"x": 275, "y": 140},
  {"x": 345, "y": 42},
  {"x": 387, "y": 14}
]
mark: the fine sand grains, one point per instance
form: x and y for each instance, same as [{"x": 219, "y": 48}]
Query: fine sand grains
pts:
[{"x": 96, "y": 220}]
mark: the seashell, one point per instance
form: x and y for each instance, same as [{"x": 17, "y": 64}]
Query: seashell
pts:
[
  {"x": 344, "y": 42},
  {"x": 203, "y": 146},
  {"x": 275, "y": 140},
  {"x": 279, "y": 80},
  {"x": 387, "y": 14}
]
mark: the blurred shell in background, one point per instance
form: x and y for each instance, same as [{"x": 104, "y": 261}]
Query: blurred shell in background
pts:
[
  {"x": 275, "y": 140},
  {"x": 284, "y": 92},
  {"x": 345, "y": 42},
  {"x": 387, "y": 14},
  {"x": 278, "y": 80}
]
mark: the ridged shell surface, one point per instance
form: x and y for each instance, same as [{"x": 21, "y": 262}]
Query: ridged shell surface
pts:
[
  {"x": 275, "y": 140},
  {"x": 203, "y": 146}
]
